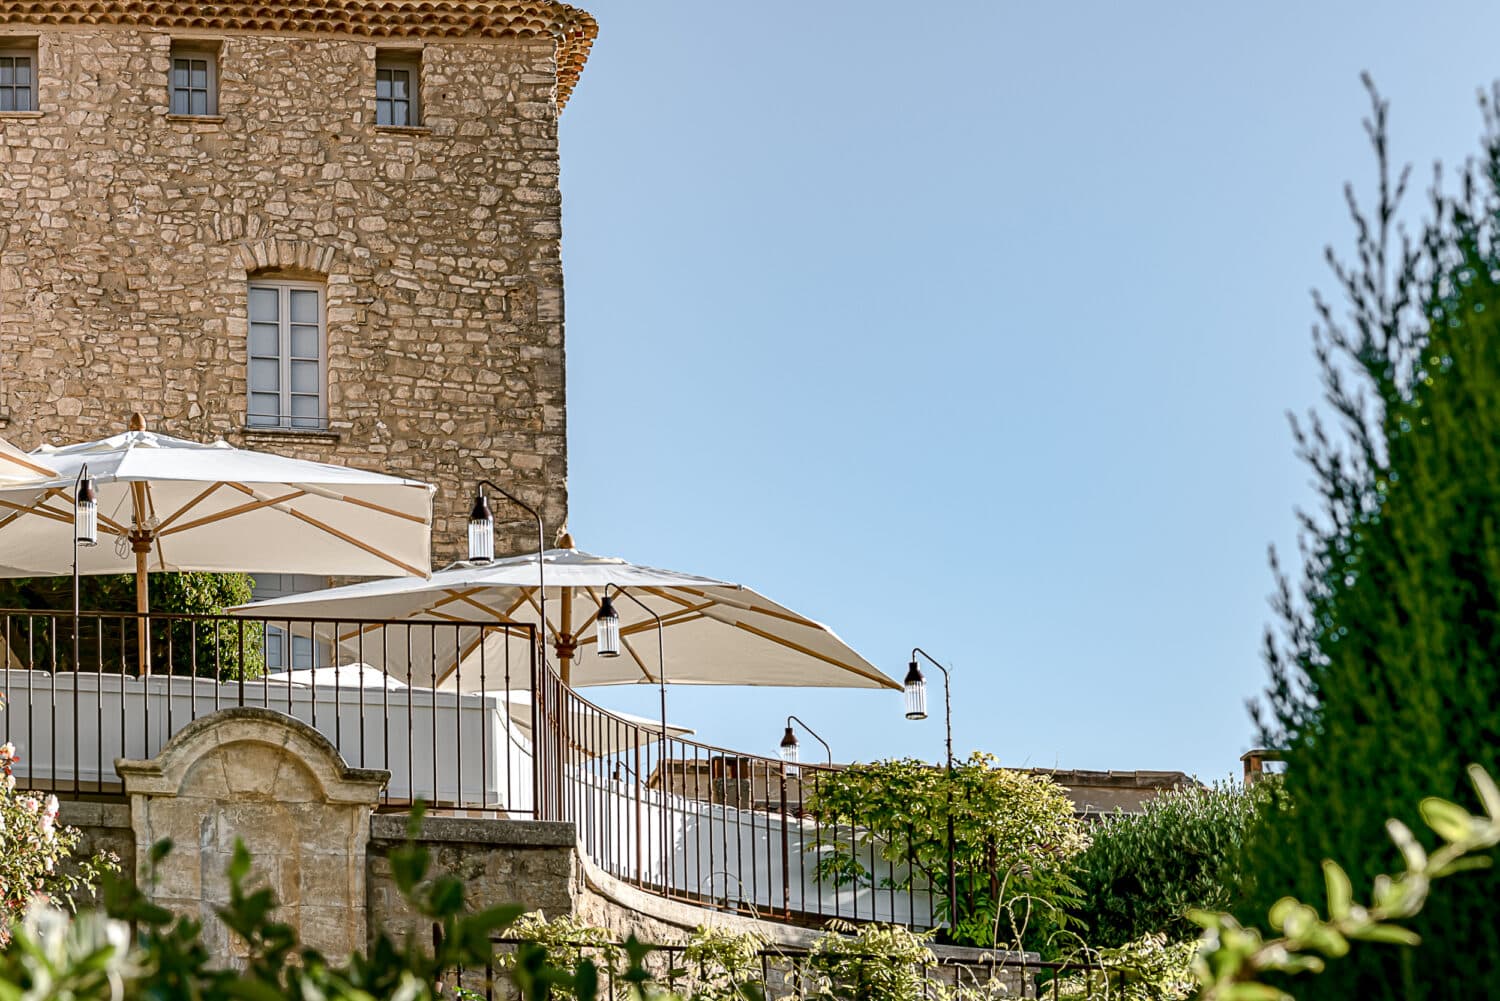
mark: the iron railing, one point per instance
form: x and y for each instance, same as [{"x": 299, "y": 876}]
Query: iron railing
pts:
[
  {"x": 692, "y": 821},
  {"x": 673, "y": 816},
  {"x": 789, "y": 973},
  {"x": 140, "y": 679}
]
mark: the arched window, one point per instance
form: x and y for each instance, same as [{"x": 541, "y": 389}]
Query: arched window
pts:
[{"x": 288, "y": 378}]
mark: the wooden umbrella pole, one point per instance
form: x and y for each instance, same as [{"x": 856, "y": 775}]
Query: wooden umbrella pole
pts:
[
  {"x": 141, "y": 543},
  {"x": 567, "y": 645}
]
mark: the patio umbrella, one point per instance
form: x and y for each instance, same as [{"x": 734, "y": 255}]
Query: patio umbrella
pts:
[
  {"x": 177, "y": 505},
  {"x": 18, "y": 467},
  {"x": 720, "y": 633}
]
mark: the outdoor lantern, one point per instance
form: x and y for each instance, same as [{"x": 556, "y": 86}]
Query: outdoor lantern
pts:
[
  {"x": 481, "y": 530},
  {"x": 916, "y": 692},
  {"x": 608, "y": 628},
  {"x": 86, "y": 513},
  {"x": 789, "y": 746}
]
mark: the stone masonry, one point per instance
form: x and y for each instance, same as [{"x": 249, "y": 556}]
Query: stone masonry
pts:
[
  {"x": 127, "y": 235},
  {"x": 275, "y": 785}
]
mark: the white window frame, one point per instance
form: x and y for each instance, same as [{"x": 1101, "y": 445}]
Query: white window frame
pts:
[
  {"x": 189, "y": 53},
  {"x": 400, "y": 61},
  {"x": 23, "y": 49},
  {"x": 283, "y": 420}
]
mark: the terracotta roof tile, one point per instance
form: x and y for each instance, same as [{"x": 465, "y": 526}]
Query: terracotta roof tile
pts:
[{"x": 573, "y": 29}]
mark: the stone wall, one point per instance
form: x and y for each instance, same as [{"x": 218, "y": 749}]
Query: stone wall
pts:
[
  {"x": 127, "y": 237},
  {"x": 261, "y": 779},
  {"x": 502, "y": 862}
]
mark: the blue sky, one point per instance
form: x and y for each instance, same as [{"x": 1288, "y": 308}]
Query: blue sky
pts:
[{"x": 975, "y": 327}]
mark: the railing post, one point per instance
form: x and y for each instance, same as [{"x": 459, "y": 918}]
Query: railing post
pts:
[
  {"x": 786, "y": 855},
  {"x": 640, "y": 866}
]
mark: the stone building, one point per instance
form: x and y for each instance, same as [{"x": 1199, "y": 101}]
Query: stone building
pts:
[{"x": 328, "y": 228}]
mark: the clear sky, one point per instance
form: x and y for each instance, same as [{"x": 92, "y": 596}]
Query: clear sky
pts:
[{"x": 974, "y": 326}]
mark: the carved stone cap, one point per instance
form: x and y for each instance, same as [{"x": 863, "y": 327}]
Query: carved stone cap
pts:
[
  {"x": 164, "y": 775},
  {"x": 574, "y": 30}
]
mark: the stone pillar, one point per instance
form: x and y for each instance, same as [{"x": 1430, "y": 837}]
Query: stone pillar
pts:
[{"x": 276, "y": 784}]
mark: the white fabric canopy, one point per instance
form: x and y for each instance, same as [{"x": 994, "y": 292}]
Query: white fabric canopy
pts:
[
  {"x": 716, "y": 632},
  {"x": 212, "y": 507},
  {"x": 345, "y": 676},
  {"x": 17, "y": 467}
]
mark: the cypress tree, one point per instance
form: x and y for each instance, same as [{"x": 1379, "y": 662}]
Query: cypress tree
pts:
[{"x": 1385, "y": 669}]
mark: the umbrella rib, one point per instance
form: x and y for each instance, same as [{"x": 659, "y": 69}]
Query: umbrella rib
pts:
[
  {"x": 748, "y": 607},
  {"x": 637, "y": 658},
  {"x": 469, "y": 599},
  {"x": 882, "y": 682},
  {"x": 162, "y": 527},
  {"x": 38, "y": 509},
  {"x": 232, "y": 512},
  {"x": 24, "y": 464},
  {"x": 676, "y": 618},
  {"x": 315, "y": 523},
  {"x": 415, "y": 518}
]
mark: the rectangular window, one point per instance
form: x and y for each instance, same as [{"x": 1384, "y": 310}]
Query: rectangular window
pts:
[
  {"x": 285, "y": 651},
  {"x": 18, "y": 78},
  {"x": 195, "y": 85},
  {"x": 288, "y": 357},
  {"x": 397, "y": 89}
]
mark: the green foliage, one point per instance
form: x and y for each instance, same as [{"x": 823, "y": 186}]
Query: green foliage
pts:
[
  {"x": 1151, "y": 968},
  {"x": 1232, "y": 958},
  {"x": 225, "y": 651},
  {"x": 1142, "y": 872},
  {"x": 871, "y": 963},
  {"x": 720, "y": 965},
  {"x": 1387, "y": 664},
  {"x": 562, "y": 943},
  {"x": 1014, "y": 835},
  {"x": 36, "y": 862}
]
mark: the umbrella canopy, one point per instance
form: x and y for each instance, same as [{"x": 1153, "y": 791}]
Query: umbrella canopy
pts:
[
  {"x": 349, "y": 676},
  {"x": 170, "y": 504},
  {"x": 18, "y": 467},
  {"x": 717, "y": 633}
]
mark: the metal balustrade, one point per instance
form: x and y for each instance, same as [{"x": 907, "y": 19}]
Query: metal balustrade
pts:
[{"x": 672, "y": 816}]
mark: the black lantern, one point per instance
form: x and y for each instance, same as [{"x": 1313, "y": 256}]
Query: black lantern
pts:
[
  {"x": 789, "y": 746},
  {"x": 607, "y": 627},
  {"x": 86, "y": 512},
  {"x": 916, "y": 692},
  {"x": 481, "y": 530}
]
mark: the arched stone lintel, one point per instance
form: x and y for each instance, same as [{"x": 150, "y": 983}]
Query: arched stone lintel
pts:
[
  {"x": 294, "y": 257},
  {"x": 164, "y": 775}
]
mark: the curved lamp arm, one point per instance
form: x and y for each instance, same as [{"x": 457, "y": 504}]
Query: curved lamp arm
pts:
[
  {"x": 826, "y": 749},
  {"x": 947, "y": 697},
  {"x": 541, "y": 552},
  {"x": 661, "y": 655}
]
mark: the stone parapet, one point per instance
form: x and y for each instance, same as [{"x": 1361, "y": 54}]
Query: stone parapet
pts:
[{"x": 274, "y": 784}]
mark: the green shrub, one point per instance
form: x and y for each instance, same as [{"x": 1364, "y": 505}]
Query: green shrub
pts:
[
  {"x": 1015, "y": 837},
  {"x": 719, "y": 964},
  {"x": 37, "y": 864},
  {"x": 186, "y": 647},
  {"x": 1151, "y": 968},
  {"x": 562, "y": 943},
  {"x": 1385, "y": 670},
  {"x": 872, "y": 963},
  {"x": 1143, "y": 872}
]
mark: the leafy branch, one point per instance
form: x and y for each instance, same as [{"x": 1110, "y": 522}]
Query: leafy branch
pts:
[{"x": 1232, "y": 957}]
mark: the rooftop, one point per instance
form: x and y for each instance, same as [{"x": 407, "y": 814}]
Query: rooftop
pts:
[{"x": 573, "y": 29}]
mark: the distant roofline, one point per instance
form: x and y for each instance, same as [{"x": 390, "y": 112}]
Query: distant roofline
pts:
[{"x": 572, "y": 28}]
